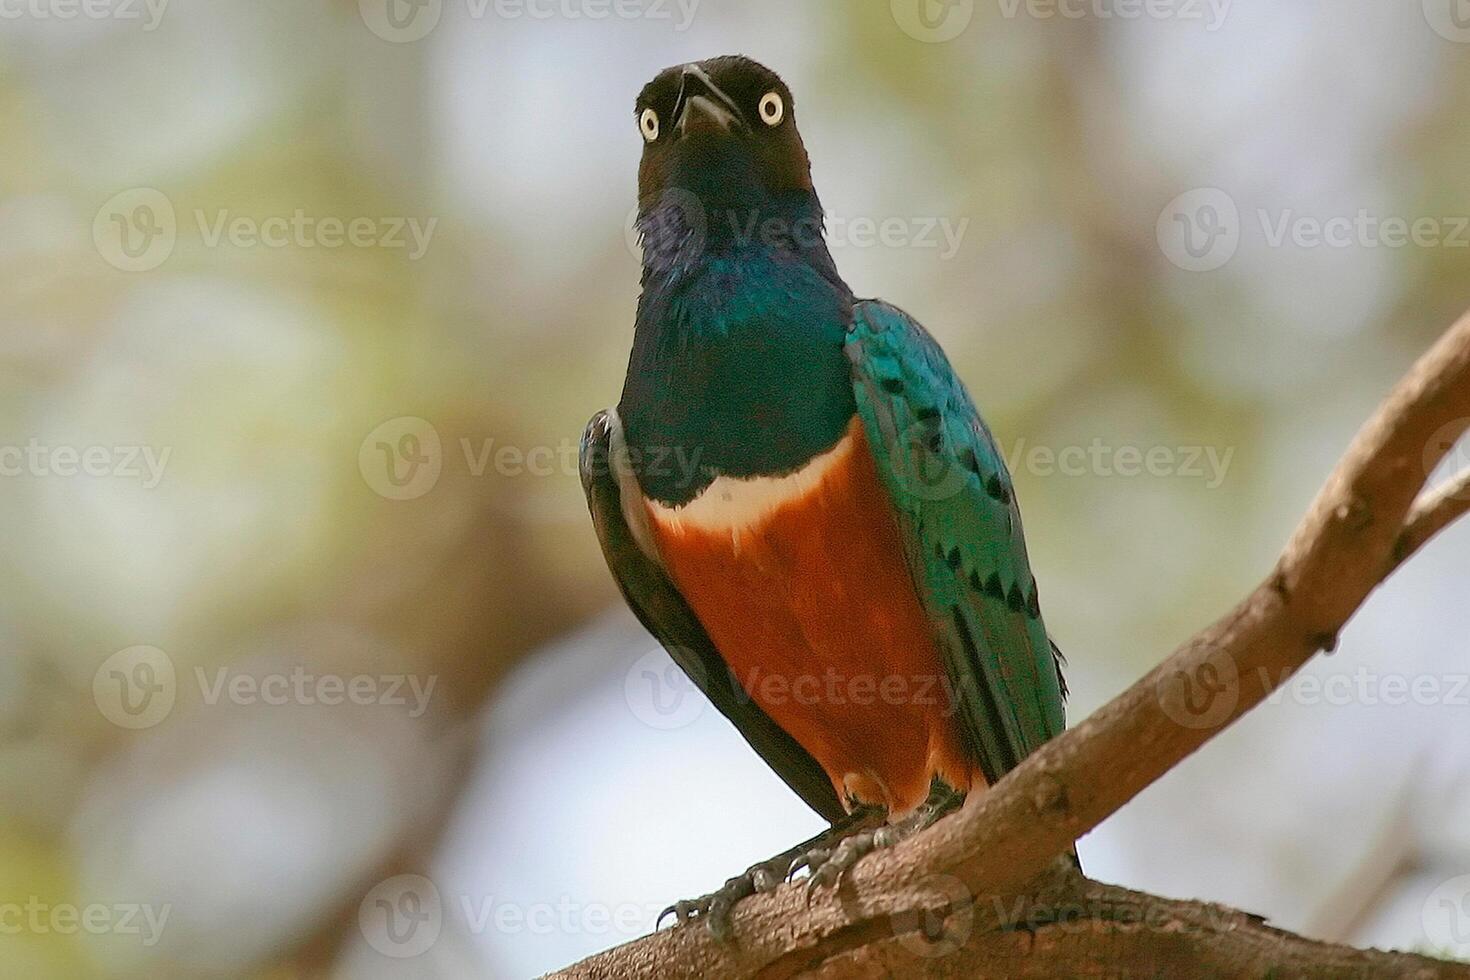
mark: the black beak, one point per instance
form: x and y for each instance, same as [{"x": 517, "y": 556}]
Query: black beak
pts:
[{"x": 702, "y": 107}]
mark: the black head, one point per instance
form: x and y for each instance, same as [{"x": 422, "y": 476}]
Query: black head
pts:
[{"x": 723, "y": 130}]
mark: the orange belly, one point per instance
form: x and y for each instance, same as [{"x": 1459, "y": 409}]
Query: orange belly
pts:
[{"x": 813, "y": 610}]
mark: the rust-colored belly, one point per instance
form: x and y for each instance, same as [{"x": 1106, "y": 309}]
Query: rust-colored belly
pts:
[{"x": 812, "y": 607}]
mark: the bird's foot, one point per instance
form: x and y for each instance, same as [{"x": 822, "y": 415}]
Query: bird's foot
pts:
[
  {"x": 826, "y": 865},
  {"x": 714, "y": 909}
]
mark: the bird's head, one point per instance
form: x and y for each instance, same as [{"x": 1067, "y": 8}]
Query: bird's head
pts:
[{"x": 720, "y": 135}]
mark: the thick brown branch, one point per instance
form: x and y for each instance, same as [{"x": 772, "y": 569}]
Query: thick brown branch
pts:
[
  {"x": 1356, "y": 531},
  {"x": 1097, "y": 930}
]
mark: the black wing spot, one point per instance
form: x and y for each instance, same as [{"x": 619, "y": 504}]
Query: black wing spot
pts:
[
  {"x": 927, "y": 414},
  {"x": 935, "y": 442},
  {"x": 993, "y": 587},
  {"x": 969, "y": 460},
  {"x": 892, "y": 385},
  {"x": 953, "y": 558},
  {"x": 998, "y": 490},
  {"x": 1033, "y": 602},
  {"x": 1014, "y": 599},
  {"x": 975, "y": 582}
]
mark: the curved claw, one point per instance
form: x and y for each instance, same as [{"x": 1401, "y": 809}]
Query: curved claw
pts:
[
  {"x": 671, "y": 910},
  {"x": 685, "y": 910},
  {"x": 806, "y": 893},
  {"x": 811, "y": 860}
]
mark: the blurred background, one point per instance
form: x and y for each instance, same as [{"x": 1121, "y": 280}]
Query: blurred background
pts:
[{"x": 309, "y": 664}]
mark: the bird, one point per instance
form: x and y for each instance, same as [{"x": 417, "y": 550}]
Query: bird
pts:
[{"x": 798, "y": 498}]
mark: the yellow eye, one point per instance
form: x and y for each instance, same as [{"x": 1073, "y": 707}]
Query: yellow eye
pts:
[
  {"x": 648, "y": 123},
  {"x": 772, "y": 108}
]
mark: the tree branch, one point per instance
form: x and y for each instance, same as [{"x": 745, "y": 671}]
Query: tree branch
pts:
[{"x": 1363, "y": 523}]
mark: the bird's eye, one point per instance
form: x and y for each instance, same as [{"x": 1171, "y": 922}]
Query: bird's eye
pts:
[
  {"x": 772, "y": 109},
  {"x": 648, "y": 123}
]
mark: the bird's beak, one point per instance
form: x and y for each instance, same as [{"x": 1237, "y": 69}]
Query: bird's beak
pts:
[{"x": 702, "y": 107}]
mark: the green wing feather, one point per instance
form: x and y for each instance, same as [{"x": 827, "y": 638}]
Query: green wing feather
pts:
[{"x": 962, "y": 536}]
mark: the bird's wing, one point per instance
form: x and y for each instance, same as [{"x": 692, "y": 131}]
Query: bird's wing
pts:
[
  {"x": 616, "y": 503},
  {"x": 962, "y": 537}
]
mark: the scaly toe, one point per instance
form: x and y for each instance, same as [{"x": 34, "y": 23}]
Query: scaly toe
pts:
[
  {"x": 811, "y": 860},
  {"x": 848, "y": 853}
]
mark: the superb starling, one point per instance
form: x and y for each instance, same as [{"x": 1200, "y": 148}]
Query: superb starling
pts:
[{"x": 799, "y": 499}]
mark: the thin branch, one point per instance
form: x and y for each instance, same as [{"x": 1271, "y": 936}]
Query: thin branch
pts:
[
  {"x": 1432, "y": 513},
  {"x": 1363, "y": 523}
]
